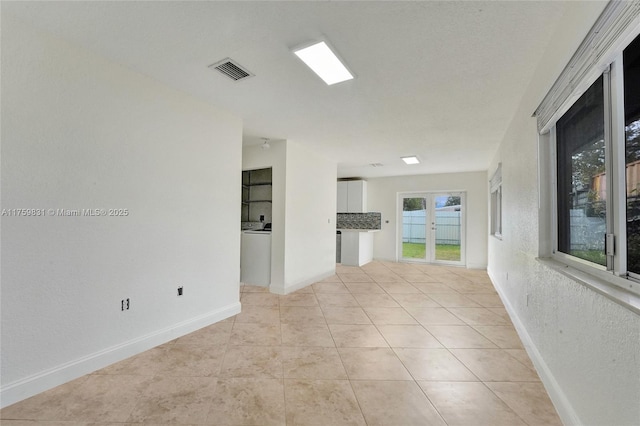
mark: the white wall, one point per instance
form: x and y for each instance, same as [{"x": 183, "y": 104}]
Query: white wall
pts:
[
  {"x": 310, "y": 250},
  {"x": 304, "y": 209},
  {"x": 585, "y": 346},
  {"x": 383, "y": 198},
  {"x": 80, "y": 132}
]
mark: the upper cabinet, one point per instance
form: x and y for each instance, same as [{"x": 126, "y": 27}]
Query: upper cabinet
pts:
[
  {"x": 352, "y": 196},
  {"x": 356, "y": 196},
  {"x": 342, "y": 196}
]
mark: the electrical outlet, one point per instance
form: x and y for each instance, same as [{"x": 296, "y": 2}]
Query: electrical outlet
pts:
[
  {"x": 180, "y": 291},
  {"x": 125, "y": 304}
]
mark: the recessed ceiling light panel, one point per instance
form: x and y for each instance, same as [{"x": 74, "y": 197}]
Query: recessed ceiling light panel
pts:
[
  {"x": 321, "y": 59},
  {"x": 412, "y": 159}
]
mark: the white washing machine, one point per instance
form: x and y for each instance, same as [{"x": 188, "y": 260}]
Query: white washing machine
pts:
[{"x": 255, "y": 258}]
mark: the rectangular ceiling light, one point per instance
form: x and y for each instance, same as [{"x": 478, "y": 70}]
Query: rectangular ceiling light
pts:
[
  {"x": 411, "y": 159},
  {"x": 321, "y": 59}
]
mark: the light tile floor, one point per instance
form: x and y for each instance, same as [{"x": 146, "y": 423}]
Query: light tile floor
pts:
[{"x": 385, "y": 344}]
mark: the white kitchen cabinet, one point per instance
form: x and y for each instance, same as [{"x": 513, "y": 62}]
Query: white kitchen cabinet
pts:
[
  {"x": 352, "y": 196},
  {"x": 357, "y": 247},
  {"x": 343, "y": 196}
]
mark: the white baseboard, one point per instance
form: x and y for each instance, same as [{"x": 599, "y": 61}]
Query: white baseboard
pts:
[
  {"x": 281, "y": 289},
  {"x": 33, "y": 385},
  {"x": 476, "y": 266},
  {"x": 384, "y": 259},
  {"x": 560, "y": 401}
]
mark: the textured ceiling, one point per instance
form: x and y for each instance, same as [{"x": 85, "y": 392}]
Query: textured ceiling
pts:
[{"x": 440, "y": 80}]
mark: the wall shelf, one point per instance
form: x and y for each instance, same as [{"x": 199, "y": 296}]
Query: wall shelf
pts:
[{"x": 257, "y": 189}]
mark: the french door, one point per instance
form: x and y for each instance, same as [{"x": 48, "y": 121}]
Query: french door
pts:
[{"x": 431, "y": 227}]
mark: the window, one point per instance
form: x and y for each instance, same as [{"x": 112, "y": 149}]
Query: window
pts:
[
  {"x": 581, "y": 176},
  {"x": 496, "y": 202},
  {"x": 589, "y": 160},
  {"x": 631, "y": 60},
  {"x": 597, "y": 170}
]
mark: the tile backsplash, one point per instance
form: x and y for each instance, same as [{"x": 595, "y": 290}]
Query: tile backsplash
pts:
[{"x": 371, "y": 220}]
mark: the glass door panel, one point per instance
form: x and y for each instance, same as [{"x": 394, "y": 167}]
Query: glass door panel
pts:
[
  {"x": 447, "y": 227},
  {"x": 414, "y": 228}
]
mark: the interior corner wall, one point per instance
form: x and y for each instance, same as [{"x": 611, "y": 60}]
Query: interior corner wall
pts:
[
  {"x": 254, "y": 157},
  {"x": 310, "y": 248},
  {"x": 382, "y": 196},
  {"x": 584, "y": 345},
  {"x": 81, "y": 134},
  {"x": 303, "y": 245}
]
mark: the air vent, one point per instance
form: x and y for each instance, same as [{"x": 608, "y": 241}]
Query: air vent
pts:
[
  {"x": 231, "y": 69},
  {"x": 376, "y": 164}
]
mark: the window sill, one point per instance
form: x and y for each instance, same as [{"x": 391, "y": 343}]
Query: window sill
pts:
[{"x": 617, "y": 294}]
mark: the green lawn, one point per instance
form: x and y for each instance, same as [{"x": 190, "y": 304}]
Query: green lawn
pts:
[
  {"x": 596, "y": 256},
  {"x": 443, "y": 251},
  {"x": 413, "y": 251}
]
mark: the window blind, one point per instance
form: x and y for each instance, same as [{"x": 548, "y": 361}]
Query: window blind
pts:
[
  {"x": 608, "y": 34},
  {"x": 496, "y": 179}
]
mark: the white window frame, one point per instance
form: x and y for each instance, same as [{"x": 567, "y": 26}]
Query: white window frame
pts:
[
  {"x": 615, "y": 273},
  {"x": 495, "y": 185},
  {"x": 600, "y": 53},
  {"x": 576, "y": 262}
]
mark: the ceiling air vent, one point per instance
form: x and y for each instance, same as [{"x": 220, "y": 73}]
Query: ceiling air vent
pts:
[{"x": 231, "y": 69}]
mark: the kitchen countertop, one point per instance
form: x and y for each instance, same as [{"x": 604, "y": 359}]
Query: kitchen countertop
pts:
[{"x": 358, "y": 230}]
